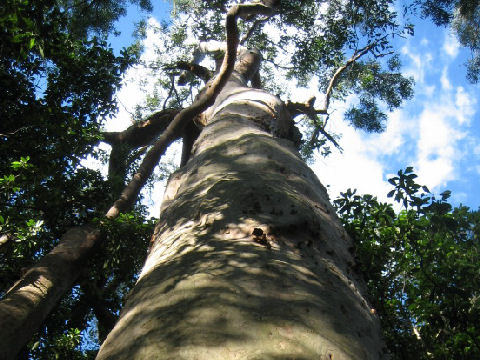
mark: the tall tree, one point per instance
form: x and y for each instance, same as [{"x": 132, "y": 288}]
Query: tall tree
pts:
[
  {"x": 345, "y": 44},
  {"x": 248, "y": 259}
]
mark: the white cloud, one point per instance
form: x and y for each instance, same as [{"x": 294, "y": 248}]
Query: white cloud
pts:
[
  {"x": 399, "y": 129},
  {"x": 358, "y": 166},
  {"x": 419, "y": 64},
  {"x": 444, "y": 79},
  {"x": 476, "y": 150},
  {"x": 443, "y": 124},
  {"x": 436, "y": 148},
  {"x": 465, "y": 105},
  {"x": 451, "y": 45}
]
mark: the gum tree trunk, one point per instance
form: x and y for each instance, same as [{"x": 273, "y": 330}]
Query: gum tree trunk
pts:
[
  {"x": 27, "y": 304},
  {"x": 249, "y": 259}
]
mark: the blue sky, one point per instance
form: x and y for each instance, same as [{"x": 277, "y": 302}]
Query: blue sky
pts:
[{"x": 437, "y": 132}]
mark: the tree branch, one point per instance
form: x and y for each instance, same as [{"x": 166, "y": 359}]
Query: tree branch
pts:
[
  {"x": 142, "y": 133},
  {"x": 196, "y": 69},
  {"x": 250, "y": 31},
  {"x": 307, "y": 108},
  {"x": 333, "y": 81}
]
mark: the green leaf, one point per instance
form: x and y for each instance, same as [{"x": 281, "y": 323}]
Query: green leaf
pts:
[
  {"x": 393, "y": 180},
  {"x": 446, "y": 194}
]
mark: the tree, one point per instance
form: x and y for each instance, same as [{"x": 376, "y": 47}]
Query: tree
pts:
[
  {"x": 347, "y": 46},
  {"x": 421, "y": 267},
  {"x": 248, "y": 258}
]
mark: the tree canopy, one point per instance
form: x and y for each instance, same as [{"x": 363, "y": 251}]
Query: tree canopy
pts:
[{"x": 58, "y": 79}]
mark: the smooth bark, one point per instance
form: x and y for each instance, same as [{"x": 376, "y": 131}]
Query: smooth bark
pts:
[
  {"x": 31, "y": 299},
  {"x": 249, "y": 259}
]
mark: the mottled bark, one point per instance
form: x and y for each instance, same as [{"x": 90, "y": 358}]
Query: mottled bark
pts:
[{"x": 249, "y": 259}]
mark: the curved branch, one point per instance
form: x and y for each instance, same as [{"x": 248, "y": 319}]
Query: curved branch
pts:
[{"x": 333, "y": 81}]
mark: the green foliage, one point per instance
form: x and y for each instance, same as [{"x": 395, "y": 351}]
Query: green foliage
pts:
[
  {"x": 58, "y": 77},
  {"x": 422, "y": 267},
  {"x": 315, "y": 39},
  {"x": 370, "y": 82}
]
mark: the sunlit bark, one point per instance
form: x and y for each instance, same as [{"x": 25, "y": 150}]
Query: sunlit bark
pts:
[{"x": 249, "y": 259}]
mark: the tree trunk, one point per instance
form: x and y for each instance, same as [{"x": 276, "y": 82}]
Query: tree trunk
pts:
[
  {"x": 27, "y": 304},
  {"x": 249, "y": 259}
]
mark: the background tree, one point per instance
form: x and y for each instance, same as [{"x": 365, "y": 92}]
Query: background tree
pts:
[
  {"x": 58, "y": 78},
  {"x": 422, "y": 269}
]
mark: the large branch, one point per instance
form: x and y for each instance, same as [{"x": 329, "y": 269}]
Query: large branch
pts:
[
  {"x": 194, "y": 68},
  {"x": 307, "y": 108},
  {"x": 143, "y": 133}
]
